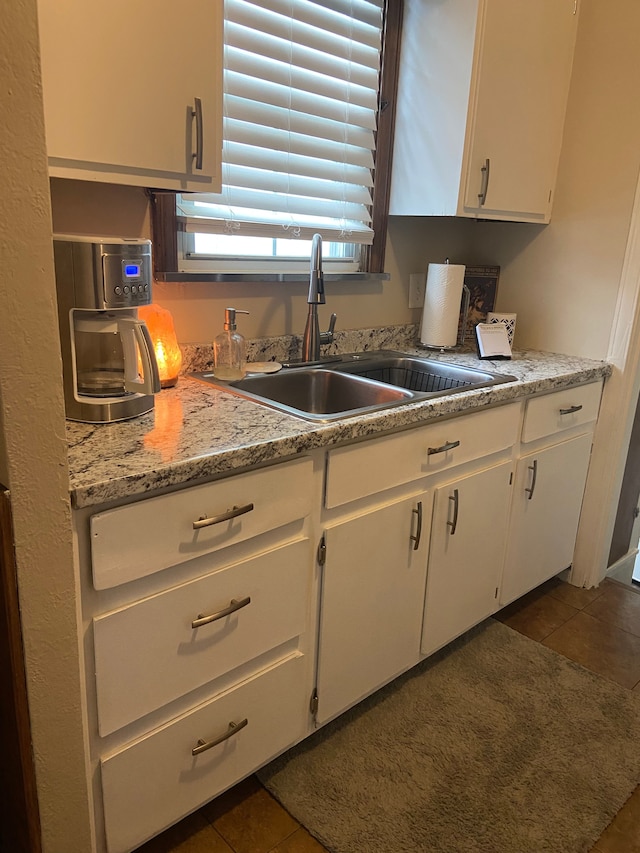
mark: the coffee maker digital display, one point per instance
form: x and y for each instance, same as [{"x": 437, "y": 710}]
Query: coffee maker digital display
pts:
[{"x": 109, "y": 367}]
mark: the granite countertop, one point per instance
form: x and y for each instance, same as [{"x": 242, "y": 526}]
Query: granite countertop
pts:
[{"x": 196, "y": 432}]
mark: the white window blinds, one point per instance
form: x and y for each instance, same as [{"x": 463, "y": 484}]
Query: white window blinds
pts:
[{"x": 300, "y": 101}]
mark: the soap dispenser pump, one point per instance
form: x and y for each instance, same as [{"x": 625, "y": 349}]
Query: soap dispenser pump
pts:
[{"x": 229, "y": 357}]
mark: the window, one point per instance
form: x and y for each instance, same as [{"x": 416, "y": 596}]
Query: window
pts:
[{"x": 302, "y": 121}]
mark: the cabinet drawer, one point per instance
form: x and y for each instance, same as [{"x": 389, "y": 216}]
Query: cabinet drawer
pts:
[
  {"x": 134, "y": 541},
  {"x": 357, "y": 471},
  {"x": 156, "y": 780},
  {"x": 561, "y": 410},
  {"x": 148, "y": 653}
]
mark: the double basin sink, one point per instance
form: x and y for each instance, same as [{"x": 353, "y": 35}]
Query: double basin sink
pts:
[{"x": 355, "y": 384}]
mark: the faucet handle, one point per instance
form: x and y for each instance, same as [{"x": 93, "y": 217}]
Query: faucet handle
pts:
[{"x": 327, "y": 337}]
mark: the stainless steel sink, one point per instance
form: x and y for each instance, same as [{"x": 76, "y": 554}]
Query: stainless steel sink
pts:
[
  {"x": 356, "y": 383},
  {"x": 423, "y": 375},
  {"x": 315, "y": 393}
]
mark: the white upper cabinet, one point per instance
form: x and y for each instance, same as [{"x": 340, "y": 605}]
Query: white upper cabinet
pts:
[
  {"x": 482, "y": 95},
  {"x": 133, "y": 91}
]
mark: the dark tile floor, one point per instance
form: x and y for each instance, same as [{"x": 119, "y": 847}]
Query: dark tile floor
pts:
[{"x": 598, "y": 628}]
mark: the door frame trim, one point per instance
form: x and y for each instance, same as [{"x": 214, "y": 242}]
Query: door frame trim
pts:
[{"x": 613, "y": 431}]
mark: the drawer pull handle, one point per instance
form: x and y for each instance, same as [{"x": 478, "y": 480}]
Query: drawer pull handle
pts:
[
  {"x": 448, "y": 445},
  {"x": 454, "y": 523},
  {"x": 234, "y": 604},
  {"x": 234, "y": 728},
  {"x": 224, "y": 516},
  {"x": 570, "y": 410},
  {"x": 534, "y": 473},
  {"x": 416, "y": 538}
]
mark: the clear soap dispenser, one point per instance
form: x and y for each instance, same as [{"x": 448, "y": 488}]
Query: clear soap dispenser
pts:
[{"x": 229, "y": 356}]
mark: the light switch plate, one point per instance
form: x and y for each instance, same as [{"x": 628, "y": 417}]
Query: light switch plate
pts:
[{"x": 417, "y": 284}]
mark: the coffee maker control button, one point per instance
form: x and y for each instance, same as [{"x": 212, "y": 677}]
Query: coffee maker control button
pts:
[
  {"x": 126, "y": 289},
  {"x": 117, "y": 290}
]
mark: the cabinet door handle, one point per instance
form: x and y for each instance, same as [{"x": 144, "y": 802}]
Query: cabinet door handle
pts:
[
  {"x": 196, "y": 113},
  {"x": 448, "y": 445},
  {"x": 570, "y": 410},
  {"x": 234, "y": 728},
  {"x": 482, "y": 195},
  {"x": 416, "y": 538},
  {"x": 224, "y": 516},
  {"x": 454, "y": 523},
  {"x": 234, "y": 604},
  {"x": 534, "y": 473}
]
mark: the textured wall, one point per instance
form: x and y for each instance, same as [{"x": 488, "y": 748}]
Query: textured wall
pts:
[{"x": 33, "y": 449}]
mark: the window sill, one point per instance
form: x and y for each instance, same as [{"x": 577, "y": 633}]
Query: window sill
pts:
[{"x": 261, "y": 277}]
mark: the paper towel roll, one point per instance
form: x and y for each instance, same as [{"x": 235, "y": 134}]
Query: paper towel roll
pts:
[{"x": 442, "y": 298}]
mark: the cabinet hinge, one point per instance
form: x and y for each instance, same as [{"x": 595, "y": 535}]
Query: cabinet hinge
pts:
[
  {"x": 313, "y": 704},
  {"x": 322, "y": 552}
]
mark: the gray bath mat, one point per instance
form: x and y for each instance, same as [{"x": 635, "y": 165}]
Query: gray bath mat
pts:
[{"x": 495, "y": 745}]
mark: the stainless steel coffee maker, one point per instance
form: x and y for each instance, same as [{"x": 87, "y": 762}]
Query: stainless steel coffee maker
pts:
[{"x": 109, "y": 367}]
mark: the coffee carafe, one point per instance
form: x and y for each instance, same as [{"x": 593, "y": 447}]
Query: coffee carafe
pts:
[{"x": 109, "y": 366}]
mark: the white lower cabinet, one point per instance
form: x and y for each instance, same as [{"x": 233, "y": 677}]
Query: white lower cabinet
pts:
[
  {"x": 547, "y": 500},
  {"x": 372, "y": 601},
  {"x": 156, "y": 780},
  {"x": 226, "y": 620},
  {"x": 468, "y": 538},
  {"x": 199, "y": 609}
]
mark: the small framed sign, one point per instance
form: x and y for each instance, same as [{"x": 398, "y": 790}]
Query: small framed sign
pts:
[{"x": 493, "y": 341}]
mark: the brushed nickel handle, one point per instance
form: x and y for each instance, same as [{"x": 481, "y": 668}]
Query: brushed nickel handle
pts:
[
  {"x": 234, "y": 728},
  {"x": 482, "y": 195},
  {"x": 570, "y": 410},
  {"x": 454, "y": 523},
  {"x": 224, "y": 516},
  {"x": 196, "y": 112},
  {"x": 448, "y": 445},
  {"x": 416, "y": 538},
  {"x": 534, "y": 473},
  {"x": 235, "y": 604}
]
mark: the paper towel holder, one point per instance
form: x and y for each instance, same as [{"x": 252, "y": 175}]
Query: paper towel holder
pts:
[{"x": 466, "y": 302}]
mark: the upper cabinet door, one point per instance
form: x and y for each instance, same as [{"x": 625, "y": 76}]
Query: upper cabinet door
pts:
[
  {"x": 525, "y": 56},
  {"x": 133, "y": 91},
  {"x": 483, "y": 88}
]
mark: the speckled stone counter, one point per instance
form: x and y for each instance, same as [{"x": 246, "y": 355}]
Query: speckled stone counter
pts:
[{"x": 196, "y": 432}]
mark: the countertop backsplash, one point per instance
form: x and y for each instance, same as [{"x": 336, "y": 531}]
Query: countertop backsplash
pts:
[{"x": 199, "y": 357}]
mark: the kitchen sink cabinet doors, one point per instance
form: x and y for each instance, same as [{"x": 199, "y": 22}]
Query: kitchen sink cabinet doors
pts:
[
  {"x": 468, "y": 539},
  {"x": 133, "y": 91},
  {"x": 373, "y": 576},
  {"x": 378, "y": 522},
  {"x": 482, "y": 95}
]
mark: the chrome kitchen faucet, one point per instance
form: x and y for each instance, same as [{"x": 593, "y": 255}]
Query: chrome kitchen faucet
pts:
[{"x": 313, "y": 337}]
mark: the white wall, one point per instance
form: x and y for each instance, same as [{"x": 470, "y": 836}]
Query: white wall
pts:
[{"x": 33, "y": 458}]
